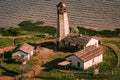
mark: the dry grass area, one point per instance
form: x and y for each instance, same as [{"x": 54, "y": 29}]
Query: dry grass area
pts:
[
  {"x": 107, "y": 39},
  {"x": 45, "y": 55}
]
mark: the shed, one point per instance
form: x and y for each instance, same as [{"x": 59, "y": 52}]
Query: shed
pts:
[{"x": 25, "y": 51}]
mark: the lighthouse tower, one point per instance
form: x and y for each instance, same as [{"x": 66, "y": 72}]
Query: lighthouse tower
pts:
[{"x": 62, "y": 25}]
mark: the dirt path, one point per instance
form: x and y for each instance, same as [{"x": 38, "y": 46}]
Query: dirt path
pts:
[
  {"x": 6, "y": 78},
  {"x": 107, "y": 39},
  {"x": 43, "y": 53},
  {"x": 6, "y": 49}
]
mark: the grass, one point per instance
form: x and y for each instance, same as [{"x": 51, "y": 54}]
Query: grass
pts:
[
  {"x": 117, "y": 43},
  {"x": 8, "y": 66},
  {"x": 32, "y": 27},
  {"x": 4, "y": 42},
  {"x": 11, "y": 68},
  {"x": 109, "y": 61},
  {"x": 32, "y": 62},
  {"x": 19, "y": 41},
  {"x": 103, "y": 33},
  {"x": 106, "y": 66}
]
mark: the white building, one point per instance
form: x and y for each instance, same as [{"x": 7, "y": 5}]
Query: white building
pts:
[
  {"x": 25, "y": 51},
  {"x": 86, "y": 58},
  {"x": 89, "y": 52},
  {"x": 78, "y": 41}
]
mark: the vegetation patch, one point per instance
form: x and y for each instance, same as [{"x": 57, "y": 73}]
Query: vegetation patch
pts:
[
  {"x": 34, "y": 27},
  {"x": 11, "y": 32},
  {"x": 109, "y": 61},
  {"x": 19, "y": 41},
  {"x": 4, "y": 42},
  {"x": 103, "y": 33},
  {"x": 117, "y": 43},
  {"x": 8, "y": 66},
  {"x": 2, "y": 29},
  {"x": 108, "y": 64},
  {"x": 32, "y": 62}
]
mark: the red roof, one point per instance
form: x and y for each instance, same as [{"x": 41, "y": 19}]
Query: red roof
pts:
[
  {"x": 88, "y": 53},
  {"x": 26, "y": 48},
  {"x": 61, "y": 4}
]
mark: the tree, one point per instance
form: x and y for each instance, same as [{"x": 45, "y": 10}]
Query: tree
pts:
[
  {"x": 74, "y": 29},
  {"x": 39, "y": 23},
  {"x": 11, "y": 32}
]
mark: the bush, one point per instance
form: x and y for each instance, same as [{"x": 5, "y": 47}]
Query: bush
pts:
[
  {"x": 74, "y": 29},
  {"x": 103, "y": 33},
  {"x": 1, "y": 30},
  {"x": 29, "y": 26},
  {"x": 11, "y": 32},
  {"x": 39, "y": 23}
]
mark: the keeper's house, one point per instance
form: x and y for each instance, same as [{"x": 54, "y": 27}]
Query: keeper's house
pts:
[{"x": 86, "y": 57}]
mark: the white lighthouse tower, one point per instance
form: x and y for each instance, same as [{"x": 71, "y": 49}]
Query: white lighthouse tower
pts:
[{"x": 63, "y": 24}]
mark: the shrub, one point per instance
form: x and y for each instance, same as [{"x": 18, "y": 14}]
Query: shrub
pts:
[
  {"x": 11, "y": 32},
  {"x": 1, "y": 30},
  {"x": 5, "y": 42},
  {"x": 103, "y": 33},
  {"x": 74, "y": 29},
  {"x": 29, "y": 26},
  {"x": 39, "y": 23}
]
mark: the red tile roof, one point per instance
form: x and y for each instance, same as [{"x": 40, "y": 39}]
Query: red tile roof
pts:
[
  {"x": 88, "y": 53},
  {"x": 26, "y": 48}
]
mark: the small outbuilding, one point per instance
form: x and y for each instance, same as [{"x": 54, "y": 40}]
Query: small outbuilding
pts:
[
  {"x": 25, "y": 51},
  {"x": 78, "y": 41},
  {"x": 86, "y": 58}
]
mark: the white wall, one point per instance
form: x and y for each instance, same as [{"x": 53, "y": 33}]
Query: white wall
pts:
[
  {"x": 92, "y": 62},
  {"x": 31, "y": 53},
  {"x": 84, "y": 65},
  {"x": 93, "y": 42},
  {"x": 66, "y": 24},
  {"x": 75, "y": 61},
  {"x": 20, "y": 53}
]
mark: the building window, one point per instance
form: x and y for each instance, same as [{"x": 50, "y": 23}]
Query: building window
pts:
[
  {"x": 22, "y": 56},
  {"x": 78, "y": 64}
]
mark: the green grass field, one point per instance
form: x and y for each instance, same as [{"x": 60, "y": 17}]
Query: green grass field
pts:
[
  {"x": 4, "y": 42},
  {"x": 106, "y": 66}
]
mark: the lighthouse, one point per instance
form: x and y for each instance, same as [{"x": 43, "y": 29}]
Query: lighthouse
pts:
[{"x": 62, "y": 22}]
